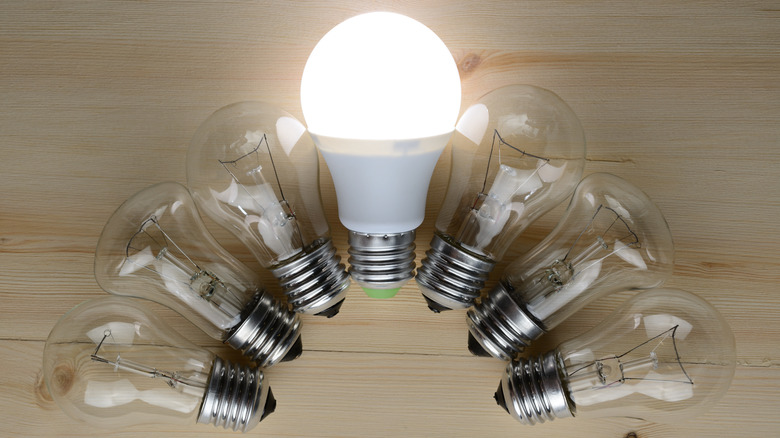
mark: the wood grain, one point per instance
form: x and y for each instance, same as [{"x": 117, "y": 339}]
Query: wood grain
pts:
[{"x": 99, "y": 100}]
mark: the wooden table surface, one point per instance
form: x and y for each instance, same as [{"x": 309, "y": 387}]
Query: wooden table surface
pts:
[{"x": 99, "y": 100}]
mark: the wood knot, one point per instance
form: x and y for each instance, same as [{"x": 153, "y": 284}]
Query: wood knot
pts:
[
  {"x": 469, "y": 63},
  {"x": 61, "y": 381},
  {"x": 42, "y": 395}
]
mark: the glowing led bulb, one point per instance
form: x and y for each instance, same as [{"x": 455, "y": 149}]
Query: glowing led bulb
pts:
[{"x": 380, "y": 94}]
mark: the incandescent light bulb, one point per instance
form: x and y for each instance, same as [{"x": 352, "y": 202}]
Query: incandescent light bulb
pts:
[
  {"x": 380, "y": 93},
  {"x": 155, "y": 246},
  {"x": 663, "y": 356},
  {"x": 253, "y": 169},
  {"x": 516, "y": 154},
  {"x": 110, "y": 362},
  {"x": 611, "y": 238}
]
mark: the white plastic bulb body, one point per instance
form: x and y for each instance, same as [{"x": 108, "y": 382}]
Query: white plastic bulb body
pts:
[
  {"x": 517, "y": 153},
  {"x": 663, "y": 356},
  {"x": 111, "y": 362},
  {"x": 253, "y": 169},
  {"x": 380, "y": 94},
  {"x": 155, "y": 246},
  {"x": 611, "y": 238}
]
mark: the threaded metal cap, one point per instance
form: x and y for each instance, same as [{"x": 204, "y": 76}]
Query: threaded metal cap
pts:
[
  {"x": 237, "y": 397},
  {"x": 268, "y": 332},
  {"x": 315, "y": 283},
  {"x": 531, "y": 390},
  {"x": 451, "y": 278},
  {"x": 501, "y": 326},
  {"x": 381, "y": 261}
]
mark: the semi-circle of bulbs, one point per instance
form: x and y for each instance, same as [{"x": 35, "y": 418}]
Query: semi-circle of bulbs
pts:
[{"x": 253, "y": 169}]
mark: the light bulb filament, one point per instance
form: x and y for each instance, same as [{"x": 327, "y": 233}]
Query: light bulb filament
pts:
[
  {"x": 258, "y": 202},
  {"x": 490, "y": 210},
  {"x": 558, "y": 273},
  {"x": 497, "y": 136},
  {"x": 632, "y": 365},
  {"x": 592, "y": 252},
  {"x": 162, "y": 244},
  {"x": 181, "y": 275},
  {"x": 206, "y": 284},
  {"x": 501, "y": 141},
  {"x": 200, "y": 281},
  {"x": 583, "y": 265},
  {"x": 255, "y": 169},
  {"x": 600, "y": 242},
  {"x": 172, "y": 379}
]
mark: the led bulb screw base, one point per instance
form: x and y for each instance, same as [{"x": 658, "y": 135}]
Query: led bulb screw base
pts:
[
  {"x": 237, "y": 397},
  {"x": 269, "y": 333},
  {"x": 451, "y": 278},
  {"x": 381, "y": 263},
  {"x": 315, "y": 283},
  {"x": 531, "y": 390},
  {"x": 500, "y": 327}
]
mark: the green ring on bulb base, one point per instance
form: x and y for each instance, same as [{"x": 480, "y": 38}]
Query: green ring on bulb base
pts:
[{"x": 381, "y": 293}]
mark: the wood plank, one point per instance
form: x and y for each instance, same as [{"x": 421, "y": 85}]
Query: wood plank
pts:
[
  {"x": 377, "y": 394},
  {"x": 680, "y": 98}
]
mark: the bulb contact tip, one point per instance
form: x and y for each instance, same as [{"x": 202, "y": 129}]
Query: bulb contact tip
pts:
[
  {"x": 451, "y": 278},
  {"x": 294, "y": 352},
  {"x": 331, "y": 311},
  {"x": 270, "y": 404},
  {"x": 500, "y": 398},
  {"x": 315, "y": 283},
  {"x": 476, "y": 348},
  {"x": 433, "y": 306},
  {"x": 381, "y": 263}
]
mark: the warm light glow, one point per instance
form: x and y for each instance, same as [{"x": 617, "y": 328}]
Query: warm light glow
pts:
[{"x": 380, "y": 76}]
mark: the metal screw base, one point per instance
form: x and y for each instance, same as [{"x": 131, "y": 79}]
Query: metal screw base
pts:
[
  {"x": 531, "y": 390},
  {"x": 381, "y": 261},
  {"x": 501, "y": 326},
  {"x": 451, "y": 278},
  {"x": 236, "y": 397},
  {"x": 268, "y": 332},
  {"x": 316, "y": 282}
]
